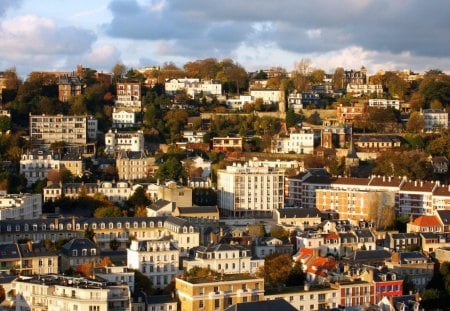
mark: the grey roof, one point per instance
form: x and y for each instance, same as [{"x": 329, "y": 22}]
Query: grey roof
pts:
[
  {"x": 267, "y": 305},
  {"x": 405, "y": 235},
  {"x": 9, "y": 251},
  {"x": 411, "y": 255},
  {"x": 34, "y": 250},
  {"x": 156, "y": 206},
  {"x": 79, "y": 244},
  {"x": 160, "y": 299},
  {"x": 198, "y": 209},
  {"x": 370, "y": 255},
  {"x": 364, "y": 233},
  {"x": 176, "y": 221},
  {"x": 444, "y": 215},
  {"x": 220, "y": 248},
  {"x": 299, "y": 212}
]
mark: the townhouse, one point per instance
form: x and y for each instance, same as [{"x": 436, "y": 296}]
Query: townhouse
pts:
[
  {"x": 134, "y": 165},
  {"x": 268, "y": 96},
  {"x": 301, "y": 142},
  {"x": 78, "y": 251},
  {"x": 123, "y": 118},
  {"x": 298, "y": 218},
  {"x": 157, "y": 259},
  {"x": 435, "y": 120},
  {"x": 129, "y": 141},
  {"x": 267, "y": 246},
  {"x": 224, "y": 258}
]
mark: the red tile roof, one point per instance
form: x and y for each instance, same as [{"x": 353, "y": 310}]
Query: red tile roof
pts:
[{"x": 427, "y": 221}]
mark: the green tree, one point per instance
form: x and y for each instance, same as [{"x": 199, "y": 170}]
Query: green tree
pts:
[
  {"x": 292, "y": 118},
  {"x": 118, "y": 71},
  {"x": 143, "y": 284},
  {"x": 297, "y": 276},
  {"x": 89, "y": 234},
  {"x": 171, "y": 169},
  {"x": 279, "y": 233},
  {"x": 138, "y": 198},
  {"x": 5, "y": 124}
]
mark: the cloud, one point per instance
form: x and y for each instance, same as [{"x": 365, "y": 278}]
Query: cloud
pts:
[
  {"x": 5, "y": 5},
  {"x": 210, "y": 28},
  {"x": 32, "y": 42},
  {"x": 102, "y": 58}
]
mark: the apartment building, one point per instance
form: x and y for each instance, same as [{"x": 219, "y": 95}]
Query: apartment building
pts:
[
  {"x": 128, "y": 141},
  {"x": 134, "y": 165},
  {"x": 73, "y": 163},
  {"x": 348, "y": 113},
  {"x": 60, "y": 128},
  {"x": 416, "y": 198},
  {"x": 193, "y": 87},
  {"x": 224, "y": 258},
  {"x": 384, "y": 103},
  {"x": 129, "y": 96},
  {"x": 245, "y": 189},
  {"x": 156, "y": 259},
  {"x": 173, "y": 192},
  {"x": 58, "y": 292},
  {"x": 20, "y": 206},
  {"x": 78, "y": 251},
  {"x": 37, "y": 164},
  {"x": 118, "y": 274},
  {"x": 215, "y": 293},
  {"x": 239, "y": 103}
]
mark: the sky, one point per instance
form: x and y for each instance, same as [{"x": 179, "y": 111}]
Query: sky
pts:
[{"x": 53, "y": 35}]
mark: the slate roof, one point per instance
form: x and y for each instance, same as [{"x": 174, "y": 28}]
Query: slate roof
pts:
[
  {"x": 79, "y": 244},
  {"x": 299, "y": 212},
  {"x": 267, "y": 305},
  {"x": 444, "y": 215},
  {"x": 198, "y": 209},
  {"x": 360, "y": 255},
  {"x": 364, "y": 233},
  {"x": 156, "y": 206},
  {"x": 158, "y": 299}
]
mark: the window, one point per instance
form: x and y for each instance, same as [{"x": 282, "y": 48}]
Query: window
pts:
[
  {"x": 200, "y": 304},
  {"x": 217, "y": 303}
]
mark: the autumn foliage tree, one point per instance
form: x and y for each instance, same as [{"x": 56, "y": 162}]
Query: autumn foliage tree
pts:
[{"x": 276, "y": 270}]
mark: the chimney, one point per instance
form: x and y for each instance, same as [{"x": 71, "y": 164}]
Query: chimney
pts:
[
  {"x": 415, "y": 183},
  {"x": 421, "y": 183},
  {"x": 30, "y": 246}
]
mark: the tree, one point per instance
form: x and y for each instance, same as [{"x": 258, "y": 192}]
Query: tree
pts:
[
  {"x": 86, "y": 269},
  {"x": 279, "y": 233},
  {"x": 171, "y": 169},
  {"x": 339, "y": 79},
  {"x": 415, "y": 123},
  {"x": 5, "y": 124},
  {"x": 118, "y": 71},
  {"x": 317, "y": 76},
  {"x": 138, "y": 198},
  {"x": 105, "y": 262},
  {"x": 276, "y": 271},
  {"x": 292, "y": 118},
  {"x": 89, "y": 234},
  {"x": 256, "y": 230},
  {"x": 297, "y": 276},
  {"x": 109, "y": 211},
  {"x": 142, "y": 283}
]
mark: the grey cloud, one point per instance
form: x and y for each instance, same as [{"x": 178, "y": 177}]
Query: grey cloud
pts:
[
  {"x": 5, "y": 5},
  {"x": 417, "y": 26}
]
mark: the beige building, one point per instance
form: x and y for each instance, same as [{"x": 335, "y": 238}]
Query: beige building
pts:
[
  {"x": 172, "y": 192},
  {"x": 61, "y": 128},
  {"x": 68, "y": 87},
  {"x": 134, "y": 165},
  {"x": 57, "y": 293},
  {"x": 215, "y": 293}
]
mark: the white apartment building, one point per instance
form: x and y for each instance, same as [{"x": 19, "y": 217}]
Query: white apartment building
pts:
[
  {"x": 269, "y": 96},
  {"x": 128, "y": 141},
  {"x": 156, "y": 259},
  {"x": 245, "y": 189},
  {"x": 20, "y": 206},
  {"x": 364, "y": 89},
  {"x": 117, "y": 274},
  {"x": 57, "y": 292},
  {"x": 57, "y": 128},
  {"x": 224, "y": 258},
  {"x": 122, "y": 118},
  {"x": 301, "y": 142},
  {"x": 384, "y": 103},
  {"x": 193, "y": 136},
  {"x": 36, "y": 165},
  {"x": 435, "y": 120},
  {"x": 238, "y": 103},
  {"x": 193, "y": 86}
]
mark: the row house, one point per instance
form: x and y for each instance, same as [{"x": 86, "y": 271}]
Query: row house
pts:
[
  {"x": 216, "y": 293},
  {"x": 355, "y": 293},
  {"x": 401, "y": 241},
  {"x": 27, "y": 259},
  {"x": 59, "y": 292},
  {"x": 156, "y": 259},
  {"x": 224, "y": 258},
  {"x": 387, "y": 283},
  {"x": 75, "y": 129},
  {"x": 416, "y": 266},
  {"x": 377, "y": 143},
  {"x": 430, "y": 241},
  {"x": 20, "y": 206},
  {"x": 297, "y": 101},
  {"x": 115, "y": 192},
  {"x": 245, "y": 189},
  {"x": 128, "y": 141},
  {"x": 298, "y": 218},
  {"x": 135, "y": 165},
  {"x": 301, "y": 142},
  {"x": 122, "y": 118}
]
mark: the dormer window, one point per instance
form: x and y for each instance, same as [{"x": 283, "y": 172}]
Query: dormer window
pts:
[
  {"x": 74, "y": 252},
  {"x": 84, "y": 252},
  {"x": 111, "y": 225},
  {"x": 93, "y": 251}
]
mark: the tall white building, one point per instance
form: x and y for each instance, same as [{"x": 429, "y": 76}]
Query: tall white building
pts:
[
  {"x": 20, "y": 206},
  {"x": 250, "y": 190},
  {"x": 156, "y": 259},
  {"x": 269, "y": 96},
  {"x": 57, "y": 128},
  {"x": 128, "y": 141},
  {"x": 122, "y": 118}
]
